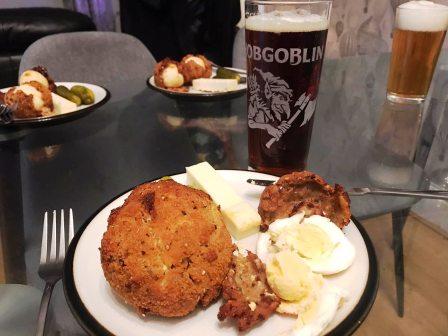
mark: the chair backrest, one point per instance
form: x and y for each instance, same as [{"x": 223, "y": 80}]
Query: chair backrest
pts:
[
  {"x": 94, "y": 57},
  {"x": 239, "y": 55}
]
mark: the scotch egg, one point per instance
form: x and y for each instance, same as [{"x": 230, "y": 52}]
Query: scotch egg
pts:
[
  {"x": 303, "y": 293},
  {"x": 195, "y": 66},
  {"x": 316, "y": 240},
  {"x": 30, "y": 100},
  {"x": 167, "y": 74},
  {"x": 33, "y": 76}
]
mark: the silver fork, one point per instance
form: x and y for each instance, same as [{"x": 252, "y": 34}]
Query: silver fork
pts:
[
  {"x": 5, "y": 114},
  {"x": 51, "y": 266},
  {"x": 433, "y": 194}
]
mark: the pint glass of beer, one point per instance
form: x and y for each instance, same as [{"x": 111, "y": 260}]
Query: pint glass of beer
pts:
[
  {"x": 420, "y": 28},
  {"x": 285, "y": 45}
]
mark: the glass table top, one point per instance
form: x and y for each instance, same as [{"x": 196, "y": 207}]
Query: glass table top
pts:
[{"x": 358, "y": 140}]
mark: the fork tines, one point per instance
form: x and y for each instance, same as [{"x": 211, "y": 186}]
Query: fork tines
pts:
[
  {"x": 62, "y": 239},
  {"x": 5, "y": 114}
]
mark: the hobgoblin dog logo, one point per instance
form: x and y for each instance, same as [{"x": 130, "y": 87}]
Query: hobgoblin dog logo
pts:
[{"x": 269, "y": 108}]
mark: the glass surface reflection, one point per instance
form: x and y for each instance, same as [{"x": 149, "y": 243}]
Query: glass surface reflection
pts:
[
  {"x": 212, "y": 128},
  {"x": 395, "y": 144}
]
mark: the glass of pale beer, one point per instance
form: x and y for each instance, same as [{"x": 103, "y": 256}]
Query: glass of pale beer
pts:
[
  {"x": 420, "y": 28},
  {"x": 285, "y": 45}
]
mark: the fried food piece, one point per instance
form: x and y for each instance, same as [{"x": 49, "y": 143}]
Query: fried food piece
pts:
[
  {"x": 2, "y": 98},
  {"x": 195, "y": 66},
  {"x": 30, "y": 100},
  {"x": 166, "y": 249},
  {"x": 304, "y": 191},
  {"x": 167, "y": 74},
  {"x": 179, "y": 89},
  {"x": 249, "y": 299},
  {"x": 44, "y": 72},
  {"x": 30, "y": 76}
]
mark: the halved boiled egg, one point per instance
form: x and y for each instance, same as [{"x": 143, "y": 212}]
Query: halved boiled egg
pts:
[
  {"x": 317, "y": 240},
  {"x": 303, "y": 293},
  {"x": 195, "y": 59},
  {"x": 32, "y": 75},
  {"x": 172, "y": 78},
  {"x": 313, "y": 318}
]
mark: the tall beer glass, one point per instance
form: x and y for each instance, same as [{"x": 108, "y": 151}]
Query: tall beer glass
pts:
[
  {"x": 420, "y": 28},
  {"x": 285, "y": 44}
]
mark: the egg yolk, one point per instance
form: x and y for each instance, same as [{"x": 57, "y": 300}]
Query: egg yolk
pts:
[
  {"x": 197, "y": 60},
  {"x": 289, "y": 277},
  {"x": 308, "y": 240},
  {"x": 172, "y": 77},
  {"x": 31, "y": 75}
]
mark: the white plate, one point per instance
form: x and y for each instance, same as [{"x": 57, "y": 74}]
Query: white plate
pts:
[
  {"x": 101, "y": 97},
  {"x": 193, "y": 94},
  {"x": 101, "y": 312}
]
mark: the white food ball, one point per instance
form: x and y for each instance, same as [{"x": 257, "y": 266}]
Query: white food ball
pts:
[
  {"x": 314, "y": 318},
  {"x": 27, "y": 89},
  {"x": 31, "y": 75},
  {"x": 171, "y": 77},
  {"x": 317, "y": 240},
  {"x": 195, "y": 59}
]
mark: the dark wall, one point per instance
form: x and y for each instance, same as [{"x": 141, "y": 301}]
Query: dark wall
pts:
[
  {"x": 176, "y": 27},
  {"x": 20, "y": 27}
]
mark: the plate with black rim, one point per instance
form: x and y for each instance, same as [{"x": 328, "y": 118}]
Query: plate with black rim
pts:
[
  {"x": 100, "y": 312},
  {"x": 102, "y": 95},
  {"x": 195, "y": 95}
]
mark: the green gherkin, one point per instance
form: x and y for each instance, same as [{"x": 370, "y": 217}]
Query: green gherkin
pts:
[
  {"x": 87, "y": 96},
  {"x": 227, "y": 74},
  {"x": 64, "y": 92}
]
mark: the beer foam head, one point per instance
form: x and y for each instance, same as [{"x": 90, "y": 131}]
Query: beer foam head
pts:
[
  {"x": 422, "y": 16},
  {"x": 287, "y": 21}
]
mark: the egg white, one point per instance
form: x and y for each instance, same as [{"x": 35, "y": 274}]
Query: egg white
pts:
[
  {"x": 343, "y": 253},
  {"x": 328, "y": 302},
  {"x": 334, "y": 261}
]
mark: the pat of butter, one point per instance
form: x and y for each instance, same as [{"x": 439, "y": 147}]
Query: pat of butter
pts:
[
  {"x": 62, "y": 105},
  {"x": 240, "y": 218},
  {"x": 215, "y": 84}
]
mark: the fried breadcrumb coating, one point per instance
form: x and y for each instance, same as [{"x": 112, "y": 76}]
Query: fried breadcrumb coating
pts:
[
  {"x": 304, "y": 191},
  {"x": 195, "y": 66},
  {"x": 30, "y": 100},
  {"x": 44, "y": 72},
  {"x": 249, "y": 299},
  {"x": 166, "y": 249},
  {"x": 167, "y": 74}
]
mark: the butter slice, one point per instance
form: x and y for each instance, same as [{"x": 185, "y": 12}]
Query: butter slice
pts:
[
  {"x": 240, "y": 218},
  {"x": 215, "y": 84},
  {"x": 62, "y": 105}
]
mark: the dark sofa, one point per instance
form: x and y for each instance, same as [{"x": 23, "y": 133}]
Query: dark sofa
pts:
[{"x": 20, "y": 27}]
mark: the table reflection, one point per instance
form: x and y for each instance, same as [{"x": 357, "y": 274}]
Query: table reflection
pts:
[{"x": 394, "y": 146}]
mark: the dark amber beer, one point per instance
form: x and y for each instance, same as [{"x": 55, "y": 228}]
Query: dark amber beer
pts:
[
  {"x": 284, "y": 50},
  {"x": 420, "y": 29}
]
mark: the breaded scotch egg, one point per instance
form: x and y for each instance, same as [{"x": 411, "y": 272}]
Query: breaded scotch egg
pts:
[
  {"x": 166, "y": 249},
  {"x": 195, "y": 66},
  {"x": 167, "y": 74},
  {"x": 33, "y": 76},
  {"x": 30, "y": 100}
]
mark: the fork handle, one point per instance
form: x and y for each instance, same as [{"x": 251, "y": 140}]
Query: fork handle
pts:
[
  {"x": 422, "y": 194},
  {"x": 44, "y": 303}
]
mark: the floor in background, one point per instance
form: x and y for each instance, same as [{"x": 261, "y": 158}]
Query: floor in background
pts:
[
  {"x": 426, "y": 281},
  {"x": 433, "y": 213}
]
